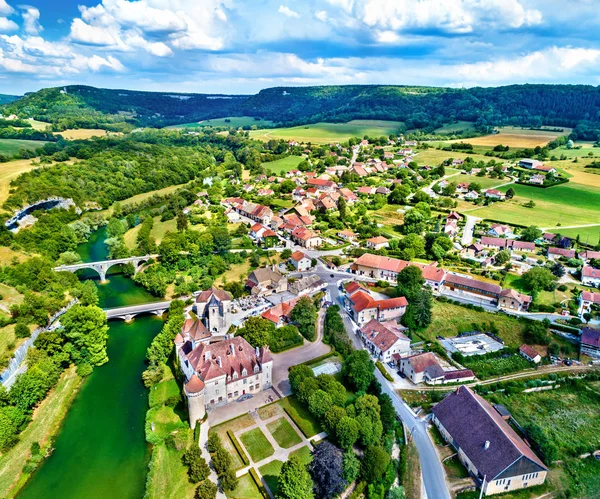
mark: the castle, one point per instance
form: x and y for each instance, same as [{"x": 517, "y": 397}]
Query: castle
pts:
[{"x": 213, "y": 307}]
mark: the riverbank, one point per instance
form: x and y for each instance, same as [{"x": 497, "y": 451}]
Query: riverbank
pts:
[{"x": 45, "y": 425}]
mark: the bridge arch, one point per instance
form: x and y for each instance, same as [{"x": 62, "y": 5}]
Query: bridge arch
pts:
[{"x": 102, "y": 267}]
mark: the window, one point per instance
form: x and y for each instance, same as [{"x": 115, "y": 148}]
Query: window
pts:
[
  {"x": 212, "y": 401},
  {"x": 245, "y": 381},
  {"x": 229, "y": 395},
  {"x": 217, "y": 392},
  {"x": 235, "y": 394}
]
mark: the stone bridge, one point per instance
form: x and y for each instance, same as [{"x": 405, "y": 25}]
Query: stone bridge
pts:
[
  {"x": 103, "y": 266},
  {"x": 129, "y": 312}
]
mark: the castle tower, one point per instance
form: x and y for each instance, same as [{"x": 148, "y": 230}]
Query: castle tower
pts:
[{"x": 194, "y": 392}]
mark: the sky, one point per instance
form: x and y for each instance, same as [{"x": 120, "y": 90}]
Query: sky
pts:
[{"x": 242, "y": 46}]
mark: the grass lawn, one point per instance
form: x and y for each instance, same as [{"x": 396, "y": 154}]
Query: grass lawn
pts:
[
  {"x": 46, "y": 423},
  {"x": 484, "y": 182},
  {"x": 8, "y": 343},
  {"x": 163, "y": 391},
  {"x": 324, "y": 133},
  {"x": 566, "y": 204},
  {"x": 168, "y": 476},
  {"x": 11, "y": 170},
  {"x": 449, "y": 320},
  {"x": 301, "y": 416},
  {"x": 303, "y": 453},
  {"x": 257, "y": 444},
  {"x": 165, "y": 419},
  {"x": 434, "y": 157},
  {"x": 234, "y": 425},
  {"x": 412, "y": 484},
  {"x": 283, "y": 433},
  {"x": 587, "y": 235},
  {"x": 38, "y": 125},
  {"x": 270, "y": 473},
  {"x": 234, "y": 274},
  {"x": 283, "y": 165},
  {"x": 459, "y": 126},
  {"x": 161, "y": 228},
  {"x": 455, "y": 469},
  {"x": 9, "y": 147},
  {"x": 10, "y": 296},
  {"x": 230, "y": 121},
  {"x": 246, "y": 489}
]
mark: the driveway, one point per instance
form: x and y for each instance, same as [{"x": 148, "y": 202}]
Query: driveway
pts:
[
  {"x": 284, "y": 360},
  {"x": 467, "y": 237}
]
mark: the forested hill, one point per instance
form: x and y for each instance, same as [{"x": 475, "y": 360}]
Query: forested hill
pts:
[
  {"x": 5, "y": 99},
  {"x": 418, "y": 107}
]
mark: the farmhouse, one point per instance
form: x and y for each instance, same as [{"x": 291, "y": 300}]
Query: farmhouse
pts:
[
  {"x": 377, "y": 243},
  {"x": 492, "y": 452},
  {"x": 530, "y": 163},
  {"x": 266, "y": 281},
  {"x": 321, "y": 184},
  {"x": 590, "y": 276},
  {"x": 495, "y": 194},
  {"x": 385, "y": 339},
  {"x": 588, "y": 255},
  {"x": 220, "y": 373},
  {"x": 537, "y": 179},
  {"x": 300, "y": 261},
  {"x": 472, "y": 195},
  {"x": 473, "y": 250},
  {"x": 347, "y": 235},
  {"x": 530, "y": 354},
  {"x": 500, "y": 230},
  {"x": 305, "y": 237},
  {"x": 590, "y": 342}
]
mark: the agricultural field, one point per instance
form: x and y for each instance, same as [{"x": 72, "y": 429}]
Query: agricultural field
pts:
[
  {"x": 517, "y": 137},
  {"x": 458, "y": 127},
  {"x": 283, "y": 165},
  {"x": 563, "y": 205},
  {"x": 84, "y": 133},
  {"x": 231, "y": 121},
  {"x": 324, "y": 133},
  {"x": 10, "y": 147},
  {"x": 11, "y": 170},
  {"x": 38, "y": 125},
  {"x": 435, "y": 157}
]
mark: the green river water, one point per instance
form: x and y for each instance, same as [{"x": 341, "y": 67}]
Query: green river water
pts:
[{"x": 100, "y": 451}]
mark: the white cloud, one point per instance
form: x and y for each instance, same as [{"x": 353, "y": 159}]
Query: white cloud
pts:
[
  {"x": 91, "y": 35},
  {"x": 287, "y": 12},
  {"x": 6, "y": 25},
  {"x": 31, "y": 21},
  {"x": 321, "y": 15},
  {"x": 5, "y": 9}
]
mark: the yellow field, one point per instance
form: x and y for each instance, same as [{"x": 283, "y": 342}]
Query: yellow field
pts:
[
  {"x": 38, "y": 125},
  {"x": 11, "y": 170},
  {"x": 84, "y": 133},
  {"x": 516, "y": 137}
]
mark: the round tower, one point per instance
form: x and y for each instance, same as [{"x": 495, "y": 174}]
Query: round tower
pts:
[{"x": 194, "y": 392}]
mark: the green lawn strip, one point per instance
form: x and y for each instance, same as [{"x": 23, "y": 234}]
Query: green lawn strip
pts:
[
  {"x": 167, "y": 475},
  {"x": 13, "y": 146},
  {"x": 455, "y": 469},
  {"x": 303, "y": 453},
  {"x": 300, "y": 414},
  {"x": 166, "y": 392},
  {"x": 283, "y": 165},
  {"x": 234, "y": 425},
  {"x": 239, "y": 449},
  {"x": 270, "y": 474},
  {"x": 246, "y": 489},
  {"x": 498, "y": 366},
  {"x": 257, "y": 444},
  {"x": 283, "y": 433},
  {"x": 166, "y": 421}
]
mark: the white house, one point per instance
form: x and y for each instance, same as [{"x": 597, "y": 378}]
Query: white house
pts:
[
  {"x": 590, "y": 276},
  {"x": 300, "y": 261},
  {"x": 384, "y": 340}
]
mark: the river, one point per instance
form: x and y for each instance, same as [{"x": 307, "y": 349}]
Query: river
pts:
[{"x": 100, "y": 450}]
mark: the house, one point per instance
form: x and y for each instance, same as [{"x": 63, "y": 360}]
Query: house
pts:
[
  {"x": 457, "y": 284},
  {"x": 265, "y": 192},
  {"x": 366, "y": 190},
  {"x": 555, "y": 253},
  {"x": 325, "y": 203},
  {"x": 590, "y": 342},
  {"x": 451, "y": 228},
  {"x": 587, "y": 300},
  {"x": 321, "y": 184},
  {"x": 305, "y": 237},
  {"x": 545, "y": 169},
  {"x": 495, "y": 194},
  {"x": 280, "y": 313},
  {"x": 454, "y": 216},
  {"x": 590, "y": 276},
  {"x": 472, "y": 195},
  {"x": 363, "y": 307},
  {"x": 384, "y": 340},
  {"x": 300, "y": 261},
  {"x": 414, "y": 367},
  {"x": 347, "y": 235},
  {"x": 588, "y": 255},
  {"x": 221, "y": 373},
  {"x": 530, "y": 354},
  {"x": 491, "y": 451},
  {"x": 358, "y": 169},
  {"x": 377, "y": 243},
  {"x": 530, "y": 163},
  {"x": 512, "y": 300},
  {"x": 266, "y": 281},
  {"x": 474, "y": 250},
  {"x": 537, "y": 179},
  {"x": 212, "y": 307},
  {"x": 387, "y": 268},
  {"x": 307, "y": 284},
  {"x": 500, "y": 230},
  {"x": 462, "y": 188},
  {"x": 253, "y": 211},
  {"x": 515, "y": 245},
  {"x": 348, "y": 195},
  {"x": 494, "y": 242}
]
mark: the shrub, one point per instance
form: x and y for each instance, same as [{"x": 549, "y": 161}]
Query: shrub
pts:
[
  {"x": 198, "y": 470},
  {"x": 238, "y": 448}
]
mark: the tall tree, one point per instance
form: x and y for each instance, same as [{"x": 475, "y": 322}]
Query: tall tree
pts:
[
  {"x": 294, "y": 481},
  {"x": 358, "y": 370},
  {"x": 327, "y": 471},
  {"x": 304, "y": 315},
  {"x": 86, "y": 328}
]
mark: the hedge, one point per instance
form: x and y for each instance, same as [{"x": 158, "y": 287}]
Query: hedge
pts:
[
  {"x": 238, "y": 448},
  {"x": 258, "y": 482},
  {"x": 383, "y": 371}
]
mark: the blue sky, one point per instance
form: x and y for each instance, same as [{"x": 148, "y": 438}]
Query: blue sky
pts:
[{"x": 241, "y": 46}]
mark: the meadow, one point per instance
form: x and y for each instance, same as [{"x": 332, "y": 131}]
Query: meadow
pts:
[
  {"x": 9, "y": 147},
  {"x": 458, "y": 127},
  {"x": 11, "y": 170},
  {"x": 283, "y": 165},
  {"x": 324, "y": 133},
  {"x": 84, "y": 133},
  {"x": 517, "y": 137},
  {"x": 484, "y": 182},
  {"x": 230, "y": 121}
]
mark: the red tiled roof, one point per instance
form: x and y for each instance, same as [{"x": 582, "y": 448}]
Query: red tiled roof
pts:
[
  {"x": 206, "y": 295},
  {"x": 297, "y": 256},
  {"x": 279, "y": 311},
  {"x": 422, "y": 361},
  {"x": 511, "y": 293},
  {"x": 589, "y": 271},
  {"x": 567, "y": 253},
  {"x": 430, "y": 272},
  {"x": 382, "y": 335},
  {"x": 590, "y": 296},
  {"x": 528, "y": 351},
  {"x": 494, "y": 241},
  {"x": 194, "y": 385},
  {"x": 195, "y": 329},
  {"x": 473, "y": 283},
  {"x": 377, "y": 240},
  {"x": 590, "y": 254},
  {"x": 362, "y": 300}
]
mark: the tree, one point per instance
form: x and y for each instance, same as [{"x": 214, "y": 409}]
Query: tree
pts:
[
  {"x": 510, "y": 193},
  {"x": 538, "y": 279},
  {"x": 298, "y": 374},
  {"x": 399, "y": 195},
  {"x": 502, "y": 257},
  {"x": 414, "y": 222},
  {"x": 206, "y": 490},
  {"x": 342, "y": 208},
  {"x": 319, "y": 402},
  {"x": 85, "y": 327},
  {"x": 294, "y": 481},
  {"x": 536, "y": 333},
  {"x": 351, "y": 465},
  {"x": 414, "y": 243},
  {"x": 198, "y": 470},
  {"x": 327, "y": 471},
  {"x": 89, "y": 293},
  {"x": 374, "y": 463},
  {"x": 346, "y": 432},
  {"x": 304, "y": 316},
  {"x": 256, "y": 331},
  {"x": 531, "y": 233},
  {"x": 22, "y": 330},
  {"x": 358, "y": 370},
  {"x": 387, "y": 412},
  {"x": 410, "y": 281},
  {"x": 228, "y": 480},
  {"x": 558, "y": 269},
  {"x": 286, "y": 253},
  {"x": 396, "y": 493},
  {"x": 334, "y": 388},
  {"x": 182, "y": 221},
  {"x": 418, "y": 312}
]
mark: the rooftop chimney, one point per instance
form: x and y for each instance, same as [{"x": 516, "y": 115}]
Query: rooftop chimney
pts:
[
  {"x": 206, "y": 356},
  {"x": 219, "y": 361},
  {"x": 487, "y": 445},
  {"x": 232, "y": 349},
  {"x": 257, "y": 351}
]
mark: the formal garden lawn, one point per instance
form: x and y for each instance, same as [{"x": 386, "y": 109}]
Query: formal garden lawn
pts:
[
  {"x": 283, "y": 165},
  {"x": 283, "y": 433},
  {"x": 234, "y": 425},
  {"x": 246, "y": 489},
  {"x": 303, "y": 454},
  {"x": 299, "y": 413},
  {"x": 257, "y": 444},
  {"x": 270, "y": 474},
  {"x": 323, "y": 133},
  {"x": 9, "y": 147}
]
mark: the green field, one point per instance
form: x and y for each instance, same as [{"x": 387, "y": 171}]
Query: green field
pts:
[
  {"x": 231, "y": 121},
  {"x": 283, "y": 165},
  {"x": 459, "y": 126},
  {"x": 257, "y": 444},
  {"x": 587, "y": 235},
  {"x": 484, "y": 182},
  {"x": 246, "y": 489},
  {"x": 283, "y": 433},
  {"x": 566, "y": 204},
  {"x": 10, "y": 147},
  {"x": 323, "y": 133},
  {"x": 270, "y": 474}
]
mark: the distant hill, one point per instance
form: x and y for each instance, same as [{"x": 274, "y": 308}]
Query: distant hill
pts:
[
  {"x": 5, "y": 98},
  {"x": 418, "y": 107}
]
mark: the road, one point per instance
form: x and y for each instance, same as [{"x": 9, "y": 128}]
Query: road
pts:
[
  {"x": 467, "y": 237},
  {"x": 432, "y": 469}
]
